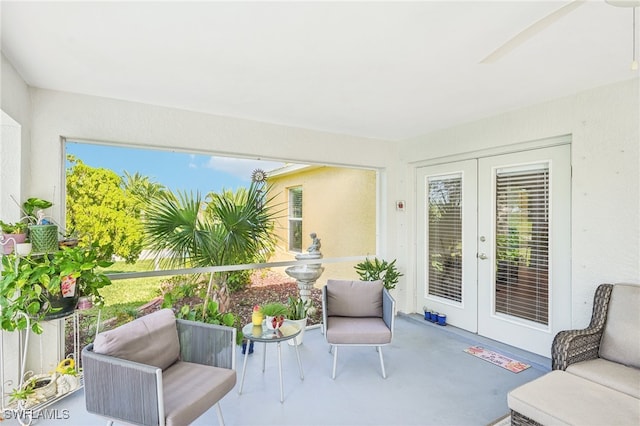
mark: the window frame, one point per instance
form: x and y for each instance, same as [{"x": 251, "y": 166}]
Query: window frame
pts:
[{"x": 293, "y": 218}]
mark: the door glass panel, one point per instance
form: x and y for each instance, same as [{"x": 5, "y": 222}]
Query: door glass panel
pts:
[
  {"x": 522, "y": 243},
  {"x": 444, "y": 236}
]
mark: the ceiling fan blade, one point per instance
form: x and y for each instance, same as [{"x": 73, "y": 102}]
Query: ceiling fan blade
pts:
[
  {"x": 531, "y": 31},
  {"x": 624, "y": 3}
]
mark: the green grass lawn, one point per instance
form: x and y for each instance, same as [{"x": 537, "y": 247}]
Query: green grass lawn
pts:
[
  {"x": 124, "y": 296},
  {"x": 121, "y": 299}
]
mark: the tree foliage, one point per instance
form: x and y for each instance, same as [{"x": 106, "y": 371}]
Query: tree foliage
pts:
[
  {"x": 225, "y": 229},
  {"x": 99, "y": 210},
  {"x": 142, "y": 188}
]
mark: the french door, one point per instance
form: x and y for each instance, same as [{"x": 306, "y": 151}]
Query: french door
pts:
[{"x": 494, "y": 245}]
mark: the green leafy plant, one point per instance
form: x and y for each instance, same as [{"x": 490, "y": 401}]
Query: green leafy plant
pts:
[
  {"x": 23, "y": 393},
  {"x": 372, "y": 270},
  {"x": 33, "y": 204},
  {"x": 81, "y": 263},
  {"x": 212, "y": 315},
  {"x": 28, "y": 283},
  {"x": 24, "y": 285},
  {"x": 13, "y": 228},
  {"x": 297, "y": 308},
  {"x": 233, "y": 228},
  {"x": 274, "y": 309}
]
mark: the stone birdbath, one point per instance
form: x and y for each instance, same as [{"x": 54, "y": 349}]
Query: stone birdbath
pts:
[{"x": 307, "y": 274}]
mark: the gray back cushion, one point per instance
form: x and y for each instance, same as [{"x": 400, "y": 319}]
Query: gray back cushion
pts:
[
  {"x": 354, "y": 298},
  {"x": 151, "y": 340},
  {"x": 621, "y": 338}
]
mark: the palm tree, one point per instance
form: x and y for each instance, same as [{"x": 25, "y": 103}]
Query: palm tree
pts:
[
  {"x": 141, "y": 187},
  {"x": 225, "y": 229}
]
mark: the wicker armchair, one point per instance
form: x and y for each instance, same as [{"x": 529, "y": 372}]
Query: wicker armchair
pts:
[
  {"x": 573, "y": 346},
  {"x": 157, "y": 370}
]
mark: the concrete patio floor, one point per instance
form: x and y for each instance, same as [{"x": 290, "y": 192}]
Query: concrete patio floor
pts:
[{"x": 430, "y": 381}]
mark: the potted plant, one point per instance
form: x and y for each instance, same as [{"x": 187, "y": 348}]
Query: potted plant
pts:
[
  {"x": 274, "y": 313},
  {"x": 42, "y": 287},
  {"x": 13, "y": 234},
  {"x": 372, "y": 270},
  {"x": 42, "y": 233},
  {"x": 79, "y": 265},
  {"x": 297, "y": 313}
]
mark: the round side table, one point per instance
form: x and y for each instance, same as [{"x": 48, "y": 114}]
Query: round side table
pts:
[{"x": 260, "y": 333}]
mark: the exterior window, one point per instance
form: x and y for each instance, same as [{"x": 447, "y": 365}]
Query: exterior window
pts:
[
  {"x": 445, "y": 236},
  {"x": 295, "y": 219},
  {"x": 522, "y": 243}
]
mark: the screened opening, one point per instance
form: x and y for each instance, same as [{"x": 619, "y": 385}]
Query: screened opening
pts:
[
  {"x": 445, "y": 237},
  {"x": 522, "y": 243},
  {"x": 145, "y": 172}
]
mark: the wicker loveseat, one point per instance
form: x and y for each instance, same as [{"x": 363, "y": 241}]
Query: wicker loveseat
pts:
[{"x": 596, "y": 371}]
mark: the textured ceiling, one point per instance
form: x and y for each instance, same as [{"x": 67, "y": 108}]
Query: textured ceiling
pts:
[{"x": 388, "y": 70}]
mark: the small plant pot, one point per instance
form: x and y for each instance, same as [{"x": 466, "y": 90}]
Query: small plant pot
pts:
[
  {"x": 44, "y": 238},
  {"x": 274, "y": 323},
  {"x": 23, "y": 249},
  {"x": 298, "y": 339},
  {"x": 84, "y": 302},
  {"x": 59, "y": 306},
  {"x": 11, "y": 241},
  {"x": 442, "y": 319}
]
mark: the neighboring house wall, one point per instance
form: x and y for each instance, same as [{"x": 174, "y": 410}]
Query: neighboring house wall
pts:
[{"x": 339, "y": 205}]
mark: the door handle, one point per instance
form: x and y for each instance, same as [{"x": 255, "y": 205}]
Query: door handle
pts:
[{"x": 482, "y": 256}]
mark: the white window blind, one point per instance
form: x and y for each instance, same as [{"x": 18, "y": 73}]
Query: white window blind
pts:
[
  {"x": 522, "y": 243},
  {"x": 295, "y": 219},
  {"x": 444, "y": 236}
]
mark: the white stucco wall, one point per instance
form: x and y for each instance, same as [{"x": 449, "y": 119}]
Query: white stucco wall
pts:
[
  {"x": 15, "y": 108},
  {"x": 14, "y": 151},
  {"x": 604, "y": 124},
  {"x": 59, "y": 114}
]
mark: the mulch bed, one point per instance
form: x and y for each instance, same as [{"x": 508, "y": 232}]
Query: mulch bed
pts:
[
  {"x": 242, "y": 302},
  {"x": 265, "y": 287}
]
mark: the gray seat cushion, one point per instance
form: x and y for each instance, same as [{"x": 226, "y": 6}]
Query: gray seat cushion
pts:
[
  {"x": 561, "y": 398},
  {"x": 354, "y": 298},
  {"x": 610, "y": 374},
  {"x": 621, "y": 338},
  {"x": 151, "y": 340},
  {"x": 189, "y": 390},
  {"x": 363, "y": 331}
]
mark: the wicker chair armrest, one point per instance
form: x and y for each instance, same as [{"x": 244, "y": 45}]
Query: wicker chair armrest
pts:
[
  {"x": 571, "y": 346},
  {"x": 207, "y": 344},
  {"x": 121, "y": 389},
  {"x": 388, "y": 309}
]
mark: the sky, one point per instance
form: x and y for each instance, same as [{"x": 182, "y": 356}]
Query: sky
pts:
[{"x": 175, "y": 170}]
